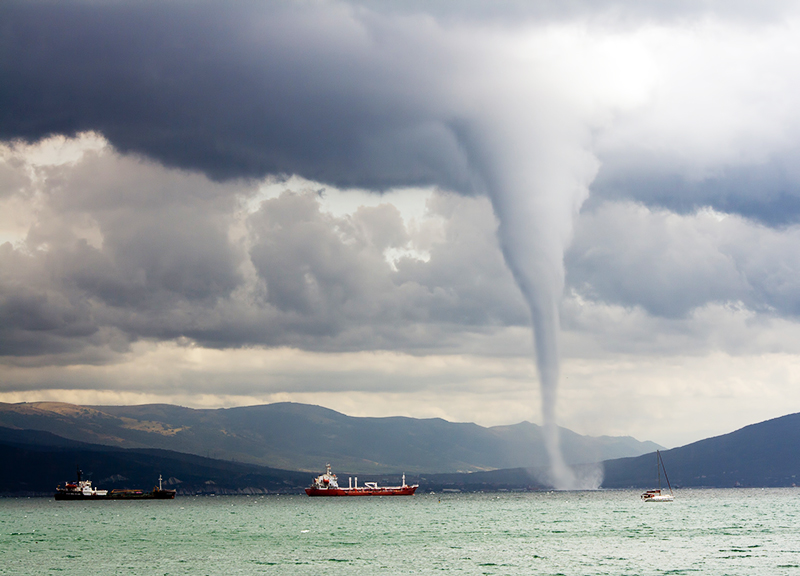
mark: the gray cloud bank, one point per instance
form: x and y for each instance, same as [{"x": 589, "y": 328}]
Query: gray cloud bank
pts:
[{"x": 324, "y": 91}]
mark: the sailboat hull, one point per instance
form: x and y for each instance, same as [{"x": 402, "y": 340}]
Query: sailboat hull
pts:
[{"x": 660, "y": 498}]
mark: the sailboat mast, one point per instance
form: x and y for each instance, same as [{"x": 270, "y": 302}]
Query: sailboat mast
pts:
[
  {"x": 661, "y": 461},
  {"x": 658, "y": 469}
]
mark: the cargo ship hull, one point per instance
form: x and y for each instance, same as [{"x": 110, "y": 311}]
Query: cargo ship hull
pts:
[
  {"x": 140, "y": 495},
  {"x": 387, "y": 491}
]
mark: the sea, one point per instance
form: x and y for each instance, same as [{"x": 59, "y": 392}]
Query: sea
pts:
[{"x": 748, "y": 532}]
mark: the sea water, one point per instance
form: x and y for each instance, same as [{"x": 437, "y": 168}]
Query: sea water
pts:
[{"x": 748, "y": 532}]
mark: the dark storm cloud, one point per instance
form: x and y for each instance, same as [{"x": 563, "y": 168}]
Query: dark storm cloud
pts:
[
  {"x": 245, "y": 91},
  {"x": 354, "y": 94}
]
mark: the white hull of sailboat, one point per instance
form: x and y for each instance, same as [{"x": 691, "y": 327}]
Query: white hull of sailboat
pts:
[{"x": 662, "y": 498}]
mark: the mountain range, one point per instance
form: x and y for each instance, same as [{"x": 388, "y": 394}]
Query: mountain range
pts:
[
  {"x": 304, "y": 437},
  {"x": 35, "y": 460}
]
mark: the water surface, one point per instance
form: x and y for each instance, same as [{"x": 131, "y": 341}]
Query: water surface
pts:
[{"x": 751, "y": 532}]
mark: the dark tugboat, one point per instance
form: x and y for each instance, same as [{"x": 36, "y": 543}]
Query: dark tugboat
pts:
[{"x": 83, "y": 490}]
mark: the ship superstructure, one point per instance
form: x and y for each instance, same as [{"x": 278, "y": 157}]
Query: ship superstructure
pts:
[{"x": 80, "y": 490}]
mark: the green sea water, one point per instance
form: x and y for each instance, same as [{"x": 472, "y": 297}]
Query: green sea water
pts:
[{"x": 750, "y": 532}]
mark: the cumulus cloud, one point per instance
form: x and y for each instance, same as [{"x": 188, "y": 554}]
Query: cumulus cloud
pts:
[
  {"x": 670, "y": 264},
  {"x": 119, "y": 245}
]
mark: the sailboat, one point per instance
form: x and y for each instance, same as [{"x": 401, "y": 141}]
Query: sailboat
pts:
[{"x": 657, "y": 495}]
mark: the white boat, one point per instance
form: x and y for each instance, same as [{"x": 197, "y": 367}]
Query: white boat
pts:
[{"x": 658, "y": 495}]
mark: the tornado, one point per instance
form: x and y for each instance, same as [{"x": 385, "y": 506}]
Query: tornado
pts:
[
  {"x": 539, "y": 273},
  {"x": 537, "y": 174}
]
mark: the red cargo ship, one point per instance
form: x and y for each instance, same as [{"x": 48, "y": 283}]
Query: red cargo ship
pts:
[{"x": 327, "y": 485}]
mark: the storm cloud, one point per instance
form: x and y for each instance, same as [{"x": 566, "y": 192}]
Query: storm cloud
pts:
[
  {"x": 331, "y": 93},
  {"x": 168, "y": 169}
]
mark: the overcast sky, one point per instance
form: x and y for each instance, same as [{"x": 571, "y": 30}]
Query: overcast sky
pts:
[{"x": 310, "y": 201}]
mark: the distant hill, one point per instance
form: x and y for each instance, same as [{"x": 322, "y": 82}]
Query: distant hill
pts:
[
  {"x": 763, "y": 455},
  {"x": 35, "y": 462},
  {"x": 304, "y": 437}
]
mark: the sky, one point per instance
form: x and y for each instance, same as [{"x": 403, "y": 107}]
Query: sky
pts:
[{"x": 368, "y": 206}]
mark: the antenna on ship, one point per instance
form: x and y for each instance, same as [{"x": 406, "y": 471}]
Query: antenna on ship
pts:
[
  {"x": 78, "y": 468},
  {"x": 159, "y": 482}
]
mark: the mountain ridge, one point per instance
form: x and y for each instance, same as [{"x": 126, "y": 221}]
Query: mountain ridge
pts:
[
  {"x": 295, "y": 436},
  {"x": 762, "y": 454},
  {"x": 758, "y": 455}
]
